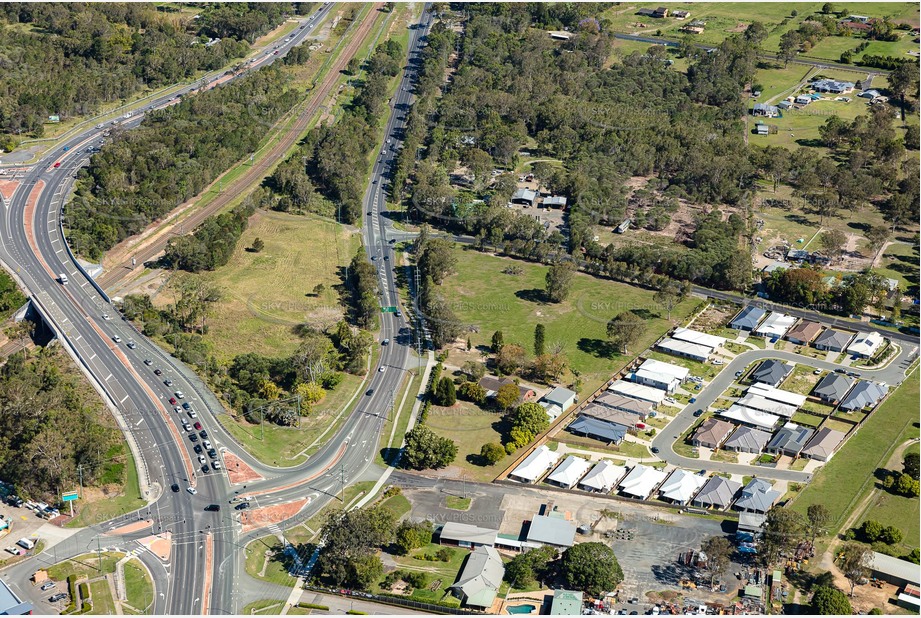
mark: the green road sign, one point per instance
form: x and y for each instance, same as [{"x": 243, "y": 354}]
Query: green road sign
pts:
[{"x": 388, "y": 309}]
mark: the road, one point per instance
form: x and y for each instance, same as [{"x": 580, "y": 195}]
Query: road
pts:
[{"x": 33, "y": 249}]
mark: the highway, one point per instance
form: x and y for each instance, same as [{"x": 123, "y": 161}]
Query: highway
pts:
[{"x": 196, "y": 580}]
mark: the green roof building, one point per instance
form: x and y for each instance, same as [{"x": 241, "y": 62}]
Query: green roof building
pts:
[{"x": 566, "y": 603}]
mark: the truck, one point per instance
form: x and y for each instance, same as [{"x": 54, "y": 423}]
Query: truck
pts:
[
  {"x": 26, "y": 543},
  {"x": 63, "y": 279}
]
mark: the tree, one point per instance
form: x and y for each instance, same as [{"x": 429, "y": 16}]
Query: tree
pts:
[
  {"x": 891, "y": 535},
  {"x": 352, "y": 537},
  {"x": 833, "y": 242},
  {"x": 310, "y": 392},
  {"x": 625, "y": 329},
  {"x": 258, "y": 245},
  {"x": 818, "y": 517},
  {"x": 528, "y": 567},
  {"x": 507, "y": 396},
  {"x": 669, "y": 295},
  {"x": 530, "y": 417},
  {"x": 496, "y": 342},
  {"x": 412, "y": 535},
  {"x": 559, "y": 281},
  {"x": 719, "y": 552},
  {"x": 313, "y": 357},
  {"x": 492, "y": 453},
  {"x": 539, "y": 340},
  {"x": 871, "y": 530},
  {"x": 353, "y": 66},
  {"x": 877, "y": 236},
  {"x": 906, "y": 486},
  {"x": 425, "y": 450},
  {"x": 903, "y": 80},
  {"x": 471, "y": 391},
  {"x": 854, "y": 561},
  {"x": 591, "y": 567},
  {"x": 911, "y": 465},
  {"x": 475, "y": 370},
  {"x": 436, "y": 260},
  {"x": 783, "y": 528},
  {"x": 790, "y": 42},
  {"x": 830, "y": 602},
  {"x": 511, "y": 358}
]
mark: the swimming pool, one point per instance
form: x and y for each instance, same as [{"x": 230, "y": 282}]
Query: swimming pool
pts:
[{"x": 521, "y": 609}]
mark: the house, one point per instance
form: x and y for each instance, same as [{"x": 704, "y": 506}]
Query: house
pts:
[
  {"x": 803, "y": 99},
  {"x": 569, "y": 472},
  {"x": 562, "y": 397},
  {"x": 863, "y": 19},
  {"x": 776, "y": 325},
  {"x": 869, "y": 94},
  {"x": 865, "y": 345},
  {"x": 833, "y": 340},
  {"x": 757, "y": 497},
  {"x": 785, "y": 105},
  {"x": 624, "y": 404},
  {"x": 680, "y": 486},
  {"x": 748, "y": 318},
  {"x": 664, "y": 376},
  {"x": 692, "y": 29},
  {"x": 833, "y": 86},
  {"x": 832, "y": 388},
  {"x": 603, "y": 477},
  {"x": 790, "y": 440},
  {"x": 638, "y": 391},
  {"x": 559, "y": 35},
  {"x": 492, "y": 385},
  {"x": 863, "y": 395},
  {"x": 776, "y": 394},
  {"x": 641, "y": 482},
  {"x": 695, "y": 336},
  {"x": 823, "y": 444},
  {"x": 645, "y": 12},
  {"x": 534, "y": 465},
  {"x": 895, "y": 570},
  {"x": 711, "y": 433},
  {"x": 555, "y": 201},
  {"x": 553, "y": 530},
  {"x": 566, "y": 603},
  {"x": 771, "y": 372},
  {"x": 684, "y": 349},
  {"x": 612, "y": 415},
  {"x": 763, "y": 404},
  {"x": 762, "y": 129},
  {"x": 480, "y": 578},
  {"x": 524, "y": 197},
  {"x": 623, "y": 227},
  {"x": 681, "y": 14},
  {"x": 612, "y": 433},
  {"x": 660, "y": 13},
  {"x": 751, "y": 417},
  {"x": 466, "y": 535},
  {"x": 804, "y": 332},
  {"x": 763, "y": 109},
  {"x": 747, "y": 440},
  {"x": 718, "y": 492}
]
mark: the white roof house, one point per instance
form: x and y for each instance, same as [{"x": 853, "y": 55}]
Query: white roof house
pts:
[
  {"x": 687, "y": 349},
  {"x": 603, "y": 477},
  {"x": 776, "y": 394},
  {"x": 664, "y": 376},
  {"x": 865, "y": 344},
  {"x": 641, "y": 481},
  {"x": 681, "y": 486},
  {"x": 763, "y": 404},
  {"x": 748, "y": 416},
  {"x": 695, "y": 336},
  {"x": 535, "y": 465},
  {"x": 775, "y": 325},
  {"x": 638, "y": 391},
  {"x": 569, "y": 472}
]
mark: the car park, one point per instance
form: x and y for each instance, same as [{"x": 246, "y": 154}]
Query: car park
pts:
[
  {"x": 193, "y": 414},
  {"x": 207, "y": 444},
  {"x": 212, "y": 454}
]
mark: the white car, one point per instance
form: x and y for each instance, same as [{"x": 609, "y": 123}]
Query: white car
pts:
[
  {"x": 202, "y": 460},
  {"x": 105, "y": 316},
  {"x": 179, "y": 395},
  {"x": 132, "y": 345},
  {"x": 717, "y": 361},
  {"x": 117, "y": 339},
  {"x": 380, "y": 369},
  {"x": 191, "y": 490}
]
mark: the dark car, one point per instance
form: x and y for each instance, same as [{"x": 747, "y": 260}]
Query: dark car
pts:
[
  {"x": 193, "y": 437},
  {"x": 213, "y": 507},
  {"x": 369, "y": 392},
  {"x": 212, "y": 454},
  {"x": 840, "y": 370},
  {"x": 203, "y": 433},
  {"x": 175, "y": 488},
  {"x": 54, "y": 598},
  {"x": 197, "y": 448},
  {"x": 654, "y": 449},
  {"x": 205, "y": 469},
  {"x": 186, "y": 405},
  {"x": 157, "y": 372},
  {"x": 698, "y": 412},
  {"x": 241, "y": 506}
]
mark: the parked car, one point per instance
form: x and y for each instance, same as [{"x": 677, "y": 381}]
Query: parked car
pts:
[
  {"x": 60, "y": 596},
  {"x": 196, "y": 425},
  {"x": 47, "y": 586}
]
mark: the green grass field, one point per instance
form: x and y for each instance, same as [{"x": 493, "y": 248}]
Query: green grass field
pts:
[
  {"x": 844, "y": 481},
  {"x": 900, "y": 262},
  {"x": 267, "y": 607},
  {"x": 139, "y": 589},
  {"x": 275, "y": 571},
  {"x": 470, "y": 427},
  {"x": 87, "y": 565},
  {"x": 112, "y": 506}
]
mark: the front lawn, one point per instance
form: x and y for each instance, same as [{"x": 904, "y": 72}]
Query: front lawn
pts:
[{"x": 439, "y": 575}]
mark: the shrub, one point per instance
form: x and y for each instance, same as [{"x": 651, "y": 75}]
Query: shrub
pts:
[
  {"x": 492, "y": 453},
  {"x": 313, "y": 606}
]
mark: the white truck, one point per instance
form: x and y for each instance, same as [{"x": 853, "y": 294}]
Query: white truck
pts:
[{"x": 26, "y": 543}]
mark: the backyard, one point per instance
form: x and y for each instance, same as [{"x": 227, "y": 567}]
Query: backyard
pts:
[{"x": 439, "y": 575}]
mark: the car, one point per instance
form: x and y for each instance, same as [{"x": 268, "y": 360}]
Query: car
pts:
[
  {"x": 197, "y": 425},
  {"x": 186, "y": 426},
  {"x": 158, "y": 372},
  {"x": 203, "y": 433},
  {"x": 60, "y": 596},
  {"x": 105, "y": 316},
  {"x": 817, "y": 372},
  {"x": 739, "y": 374},
  {"x": 15, "y": 550},
  {"x": 386, "y": 258},
  {"x": 179, "y": 395},
  {"x": 202, "y": 460},
  {"x": 197, "y": 448},
  {"x": 242, "y": 506},
  {"x": 186, "y": 405},
  {"x": 193, "y": 414},
  {"x": 702, "y": 473},
  {"x": 380, "y": 369},
  {"x": 132, "y": 345},
  {"x": 717, "y": 361},
  {"x": 212, "y": 454},
  {"x": 207, "y": 444},
  {"x": 373, "y": 258},
  {"x": 172, "y": 401},
  {"x": 177, "y": 409},
  {"x": 205, "y": 469},
  {"x": 698, "y": 413},
  {"x": 216, "y": 464},
  {"x": 191, "y": 490},
  {"x": 175, "y": 488},
  {"x": 398, "y": 314},
  {"x": 369, "y": 392},
  {"x": 654, "y": 449},
  {"x": 168, "y": 382},
  {"x": 117, "y": 339},
  {"x": 148, "y": 362},
  {"x": 692, "y": 400},
  {"x": 213, "y": 507},
  {"x": 840, "y": 370},
  {"x": 57, "y": 165},
  {"x": 193, "y": 437},
  {"x": 853, "y": 374},
  {"x": 370, "y": 213},
  {"x": 275, "y": 53},
  {"x": 385, "y": 342}
]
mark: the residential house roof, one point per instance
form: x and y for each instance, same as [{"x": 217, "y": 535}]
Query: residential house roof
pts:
[
  {"x": 570, "y": 471},
  {"x": 748, "y": 439},
  {"x": 718, "y": 491},
  {"x": 896, "y": 567},
  {"x": 641, "y": 481},
  {"x": 552, "y": 531},
  {"x": 492, "y": 385},
  {"x": 833, "y": 338},
  {"x": 555, "y": 200},
  {"x": 524, "y": 194},
  {"x": 566, "y": 603},
  {"x": 776, "y": 394},
  {"x": 611, "y": 415},
  {"x": 603, "y": 476},
  {"x": 757, "y": 496},
  {"x": 638, "y": 391},
  {"x": 481, "y": 577},
  {"x": 766, "y": 405},
  {"x": 535, "y": 464},
  {"x": 833, "y": 387},
  {"x": 790, "y": 439},
  {"x": 764, "y": 107},
  {"x": 863, "y": 394},
  {"x": 681, "y": 485},
  {"x": 832, "y": 85},
  {"x": 806, "y": 330},
  {"x": 466, "y": 533},
  {"x": 713, "y": 431},
  {"x": 612, "y": 432},
  {"x": 824, "y": 443},
  {"x": 748, "y": 318},
  {"x": 771, "y": 372},
  {"x": 684, "y": 348},
  {"x": 622, "y": 402},
  {"x": 776, "y": 325},
  {"x": 562, "y": 397},
  {"x": 666, "y": 369},
  {"x": 695, "y": 336},
  {"x": 750, "y": 416},
  {"x": 865, "y": 344}
]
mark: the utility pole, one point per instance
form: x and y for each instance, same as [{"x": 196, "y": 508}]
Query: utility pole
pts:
[
  {"x": 98, "y": 555},
  {"x": 342, "y": 483}
]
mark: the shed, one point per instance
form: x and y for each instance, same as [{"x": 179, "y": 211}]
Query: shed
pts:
[
  {"x": 525, "y": 197},
  {"x": 560, "y": 396},
  {"x": 554, "y": 201},
  {"x": 548, "y": 530},
  {"x": 776, "y": 394},
  {"x": 757, "y": 402},
  {"x": 895, "y": 570},
  {"x": 803, "y": 99},
  {"x": 750, "y": 522},
  {"x": 762, "y": 129}
]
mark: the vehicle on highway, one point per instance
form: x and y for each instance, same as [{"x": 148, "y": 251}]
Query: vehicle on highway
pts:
[
  {"x": 193, "y": 414},
  {"x": 380, "y": 369},
  {"x": 117, "y": 339},
  {"x": 63, "y": 279},
  {"x": 175, "y": 487},
  {"x": 242, "y": 506},
  {"x": 148, "y": 362},
  {"x": 186, "y": 405},
  {"x": 179, "y": 394},
  {"x": 66, "y": 148},
  {"x": 132, "y": 345},
  {"x": 213, "y": 507},
  {"x": 191, "y": 490},
  {"x": 373, "y": 258},
  {"x": 57, "y": 165},
  {"x": 386, "y": 258},
  {"x": 207, "y": 445},
  {"x": 398, "y": 314},
  {"x": 105, "y": 316},
  {"x": 168, "y": 382},
  {"x": 172, "y": 401},
  {"x": 197, "y": 425},
  {"x": 158, "y": 372},
  {"x": 275, "y": 53},
  {"x": 203, "y": 433},
  {"x": 385, "y": 342}
]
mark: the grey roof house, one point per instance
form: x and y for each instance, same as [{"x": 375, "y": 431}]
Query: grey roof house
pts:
[
  {"x": 833, "y": 340},
  {"x": 717, "y": 493},
  {"x": 771, "y": 372},
  {"x": 613, "y": 433},
  {"x": 863, "y": 395},
  {"x": 832, "y": 388},
  {"x": 823, "y": 444},
  {"x": 747, "y": 440},
  {"x": 466, "y": 535},
  {"x": 548, "y": 530},
  {"x": 790, "y": 440},
  {"x": 479, "y": 580},
  {"x": 757, "y": 497},
  {"x": 560, "y": 396},
  {"x": 748, "y": 318}
]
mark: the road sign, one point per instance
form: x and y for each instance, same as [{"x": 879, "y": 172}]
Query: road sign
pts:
[
  {"x": 388, "y": 309},
  {"x": 69, "y": 496}
]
